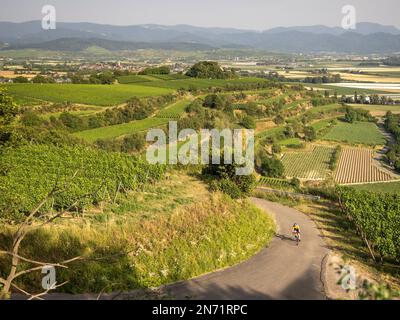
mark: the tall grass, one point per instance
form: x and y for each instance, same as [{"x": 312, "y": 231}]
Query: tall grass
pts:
[{"x": 131, "y": 253}]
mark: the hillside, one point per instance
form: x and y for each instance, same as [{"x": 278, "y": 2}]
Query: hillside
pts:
[{"x": 366, "y": 38}]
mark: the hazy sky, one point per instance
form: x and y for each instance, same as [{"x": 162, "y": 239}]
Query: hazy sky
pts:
[{"x": 248, "y": 14}]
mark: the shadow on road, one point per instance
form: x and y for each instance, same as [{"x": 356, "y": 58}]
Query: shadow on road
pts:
[{"x": 283, "y": 237}]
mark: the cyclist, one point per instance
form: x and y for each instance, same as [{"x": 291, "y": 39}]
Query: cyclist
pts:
[{"x": 296, "y": 231}]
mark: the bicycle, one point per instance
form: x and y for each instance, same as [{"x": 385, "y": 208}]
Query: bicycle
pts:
[{"x": 297, "y": 238}]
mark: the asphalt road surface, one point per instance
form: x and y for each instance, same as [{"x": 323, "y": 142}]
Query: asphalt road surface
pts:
[{"x": 283, "y": 270}]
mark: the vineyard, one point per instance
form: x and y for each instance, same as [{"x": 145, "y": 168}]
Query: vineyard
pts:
[
  {"x": 100, "y": 95},
  {"x": 312, "y": 165},
  {"x": 30, "y": 172},
  {"x": 356, "y": 165},
  {"x": 275, "y": 182}
]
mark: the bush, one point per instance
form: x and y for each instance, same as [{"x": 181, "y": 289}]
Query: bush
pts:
[
  {"x": 272, "y": 167},
  {"x": 209, "y": 70},
  {"x": 220, "y": 173},
  {"x": 248, "y": 122},
  {"x": 228, "y": 187}
]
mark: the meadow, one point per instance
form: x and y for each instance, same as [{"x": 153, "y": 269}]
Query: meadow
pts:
[
  {"x": 174, "y": 111},
  {"x": 355, "y": 133},
  {"x": 100, "y": 95},
  {"x": 120, "y": 129},
  {"x": 378, "y": 110},
  {"x": 168, "y": 231}
]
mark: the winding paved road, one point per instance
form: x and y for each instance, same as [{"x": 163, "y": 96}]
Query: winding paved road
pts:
[{"x": 281, "y": 271}]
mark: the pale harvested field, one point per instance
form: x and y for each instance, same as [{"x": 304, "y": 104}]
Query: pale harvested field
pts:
[
  {"x": 12, "y": 75},
  {"x": 357, "y": 165},
  {"x": 264, "y": 125},
  {"x": 365, "y": 69},
  {"x": 369, "y": 78}
]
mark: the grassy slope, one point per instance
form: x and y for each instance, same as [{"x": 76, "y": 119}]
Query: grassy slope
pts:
[
  {"x": 166, "y": 114},
  {"x": 101, "y": 95},
  {"x": 170, "y": 231},
  {"x": 359, "y": 132},
  {"x": 121, "y": 129}
]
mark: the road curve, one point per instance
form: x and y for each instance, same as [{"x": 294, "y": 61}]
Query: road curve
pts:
[{"x": 280, "y": 271}]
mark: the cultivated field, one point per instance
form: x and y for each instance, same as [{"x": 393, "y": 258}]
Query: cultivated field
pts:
[
  {"x": 356, "y": 133},
  {"x": 378, "y": 110},
  {"x": 356, "y": 165},
  {"x": 120, "y": 129},
  {"x": 310, "y": 165},
  {"x": 101, "y": 95},
  {"x": 174, "y": 111},
  {"x": 385, "y": 187}
]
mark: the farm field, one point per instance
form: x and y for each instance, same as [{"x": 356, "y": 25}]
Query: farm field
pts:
[
  {"x": 290, "y": 142},
  {"x": 355, "y": 133},
  {"x": 341, "y": 89},
  {"x": 199, "y": 83},
  {"x": 378, "y": 110},
  {"x": 101, "y": 95},
  {"x": 174, "y": 111},
  {"x": 386, "y": 187},
  {"x": 120, "y": 129},
  {"x": 349, "y": 88},
  {"x": 369, "y": 78},
  {"x": 310, "y": 165},
  {"x": 356, "y": 165}
]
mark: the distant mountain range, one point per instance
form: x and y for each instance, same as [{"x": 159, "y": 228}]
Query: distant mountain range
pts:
[{"x": 366, "y": 38}]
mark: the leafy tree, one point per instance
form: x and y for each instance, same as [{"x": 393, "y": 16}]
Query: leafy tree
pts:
[
  {"x": 31, "y": 119},
  {"x": 248, "y": 122},
  {"x": 215, "y": 101},
  {"x": 20, "y": 80},
  {"x": 209, "y": 70},
  {"x": 133, "y": 143},
  {"x": 310, "y": 134},
  {"x": 272, "y": 167},
  {"x": 276, "y": 148},
  {"x": 8, "y": 109}
]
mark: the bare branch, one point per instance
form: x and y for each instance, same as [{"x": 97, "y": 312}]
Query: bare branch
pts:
[{"x": 37, "y": 296}]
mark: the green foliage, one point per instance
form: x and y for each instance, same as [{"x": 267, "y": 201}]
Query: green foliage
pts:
[
  {"x": 8, "y": 109},
  {"x": 91, "y": 94},
  {"x": 335, "y": 158},
  {"x": 20, "y": 79},
  {"x": 248, "y": 122},
  {"x": 376, "y": 217},
  {"x": 226, "y": 180},
  {"x": 352, "y": 115},
  {"x": 156, "y": 70},
  {"x": 379, "y": 291},
  {"x": 310, "y": 134},
  {"x": 215, "y": 101},
  {"x": 29, "y": 172},
  {"x": 41, "y": 79},
  {"x": 209, "y": 70},
  {"x": 272, "y": 167}
]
